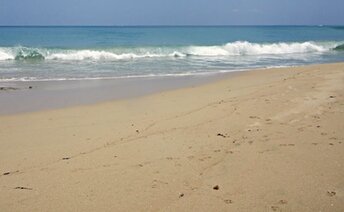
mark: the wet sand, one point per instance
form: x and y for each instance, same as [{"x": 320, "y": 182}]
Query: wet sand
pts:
[
  {"x": 23, "y": 97},
  {"x": 268, "y": 140}
]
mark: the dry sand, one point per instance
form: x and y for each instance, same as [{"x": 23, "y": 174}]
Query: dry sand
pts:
[{"x": 268, "y": 140}]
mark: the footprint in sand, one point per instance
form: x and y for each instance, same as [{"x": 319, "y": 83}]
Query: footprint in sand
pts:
[
  {"x": 287, "y": 144},
  {"x": 228, "y": 201},
  {"x": 274, "y": 208},
  {"x": 191, "y": 157},
  {"x": 156, "y": 183},
  {"x": 283, "y": 202},
  {"x": 267, "y": 150},
  {"x": 331, "y": 193},
  {"x": 205, "y": 158},
  {"x": 316, "y": 117}
]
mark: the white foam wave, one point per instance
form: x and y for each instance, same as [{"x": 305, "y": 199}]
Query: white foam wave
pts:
[
  {"x": 98, "y": 55},
  {"x": 246, "y": 48},
  {"x": 237, "y": 48},
  {"x": 5, "y": 55}
]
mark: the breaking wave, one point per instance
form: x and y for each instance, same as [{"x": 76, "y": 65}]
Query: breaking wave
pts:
[
  {"x": 237, "y": 48},
  {"x": 339, "y": 48},
  {"x": 246, "y": 48}
]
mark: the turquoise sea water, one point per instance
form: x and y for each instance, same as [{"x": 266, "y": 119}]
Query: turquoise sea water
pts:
[{"x": 65, "y": 53}]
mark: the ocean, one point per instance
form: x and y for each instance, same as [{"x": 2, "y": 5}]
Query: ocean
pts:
[{"x": 86, "y": 53}]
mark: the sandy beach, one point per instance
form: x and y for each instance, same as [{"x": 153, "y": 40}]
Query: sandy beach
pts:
[{"x": 263, "y": 140}]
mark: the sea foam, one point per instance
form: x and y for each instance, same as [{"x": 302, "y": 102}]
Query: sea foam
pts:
[
  {"x": 97, "y": 55},
  {"x": 246, "y": 48},
  {"x": 5, "y": 55},
  {"x": 237, "y": 48}
]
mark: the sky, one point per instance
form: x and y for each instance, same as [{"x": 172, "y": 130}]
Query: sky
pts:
[{"x": 171, "y": 12}]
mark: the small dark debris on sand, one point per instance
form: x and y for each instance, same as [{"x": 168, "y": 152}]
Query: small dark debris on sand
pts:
[
  {"x": 137, "y": 131},
  {"x": 30, "y": 87},
  {"x": 181, "y": 195},
  {"x": 8, "y": 173},
  {"x": 216, "y": 187},
  {"x": 66, "y": 158},
  {"x": 332, "y": 97},
  {"x": 23, "y": 188},
  {"x": 222, "y": 135},
  {"x": 8, "y": 88}
]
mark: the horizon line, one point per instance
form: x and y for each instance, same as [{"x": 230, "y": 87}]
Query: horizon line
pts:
[{"x": 177, "y": 25}]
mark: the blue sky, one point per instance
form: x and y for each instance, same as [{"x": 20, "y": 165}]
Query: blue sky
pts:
[{"x": 171, "y": 12}]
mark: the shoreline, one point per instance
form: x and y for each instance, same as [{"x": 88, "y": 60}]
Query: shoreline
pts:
[
  {"x": 35, "y": 96},
  {"x": 19, "y": 97},
  {"x": 267, "y": 140}
]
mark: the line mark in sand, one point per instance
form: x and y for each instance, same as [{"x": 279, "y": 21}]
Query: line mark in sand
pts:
[
  {"x": 23, "y": 188},
  {"x": 228, "y": 201}
]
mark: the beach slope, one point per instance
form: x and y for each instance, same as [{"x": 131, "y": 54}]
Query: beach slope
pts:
[{"x": 264, "y": 140}]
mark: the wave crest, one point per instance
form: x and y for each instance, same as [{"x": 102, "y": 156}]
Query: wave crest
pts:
[
  {"x": 97, "y": 55},
  {"x": 339, "y": 48},
  {"x": 29, "y": 54},
  {"x": 5, "y": 55},
  {"x": 246, "y": 48},
  {"x": 237, "y": 48}
]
